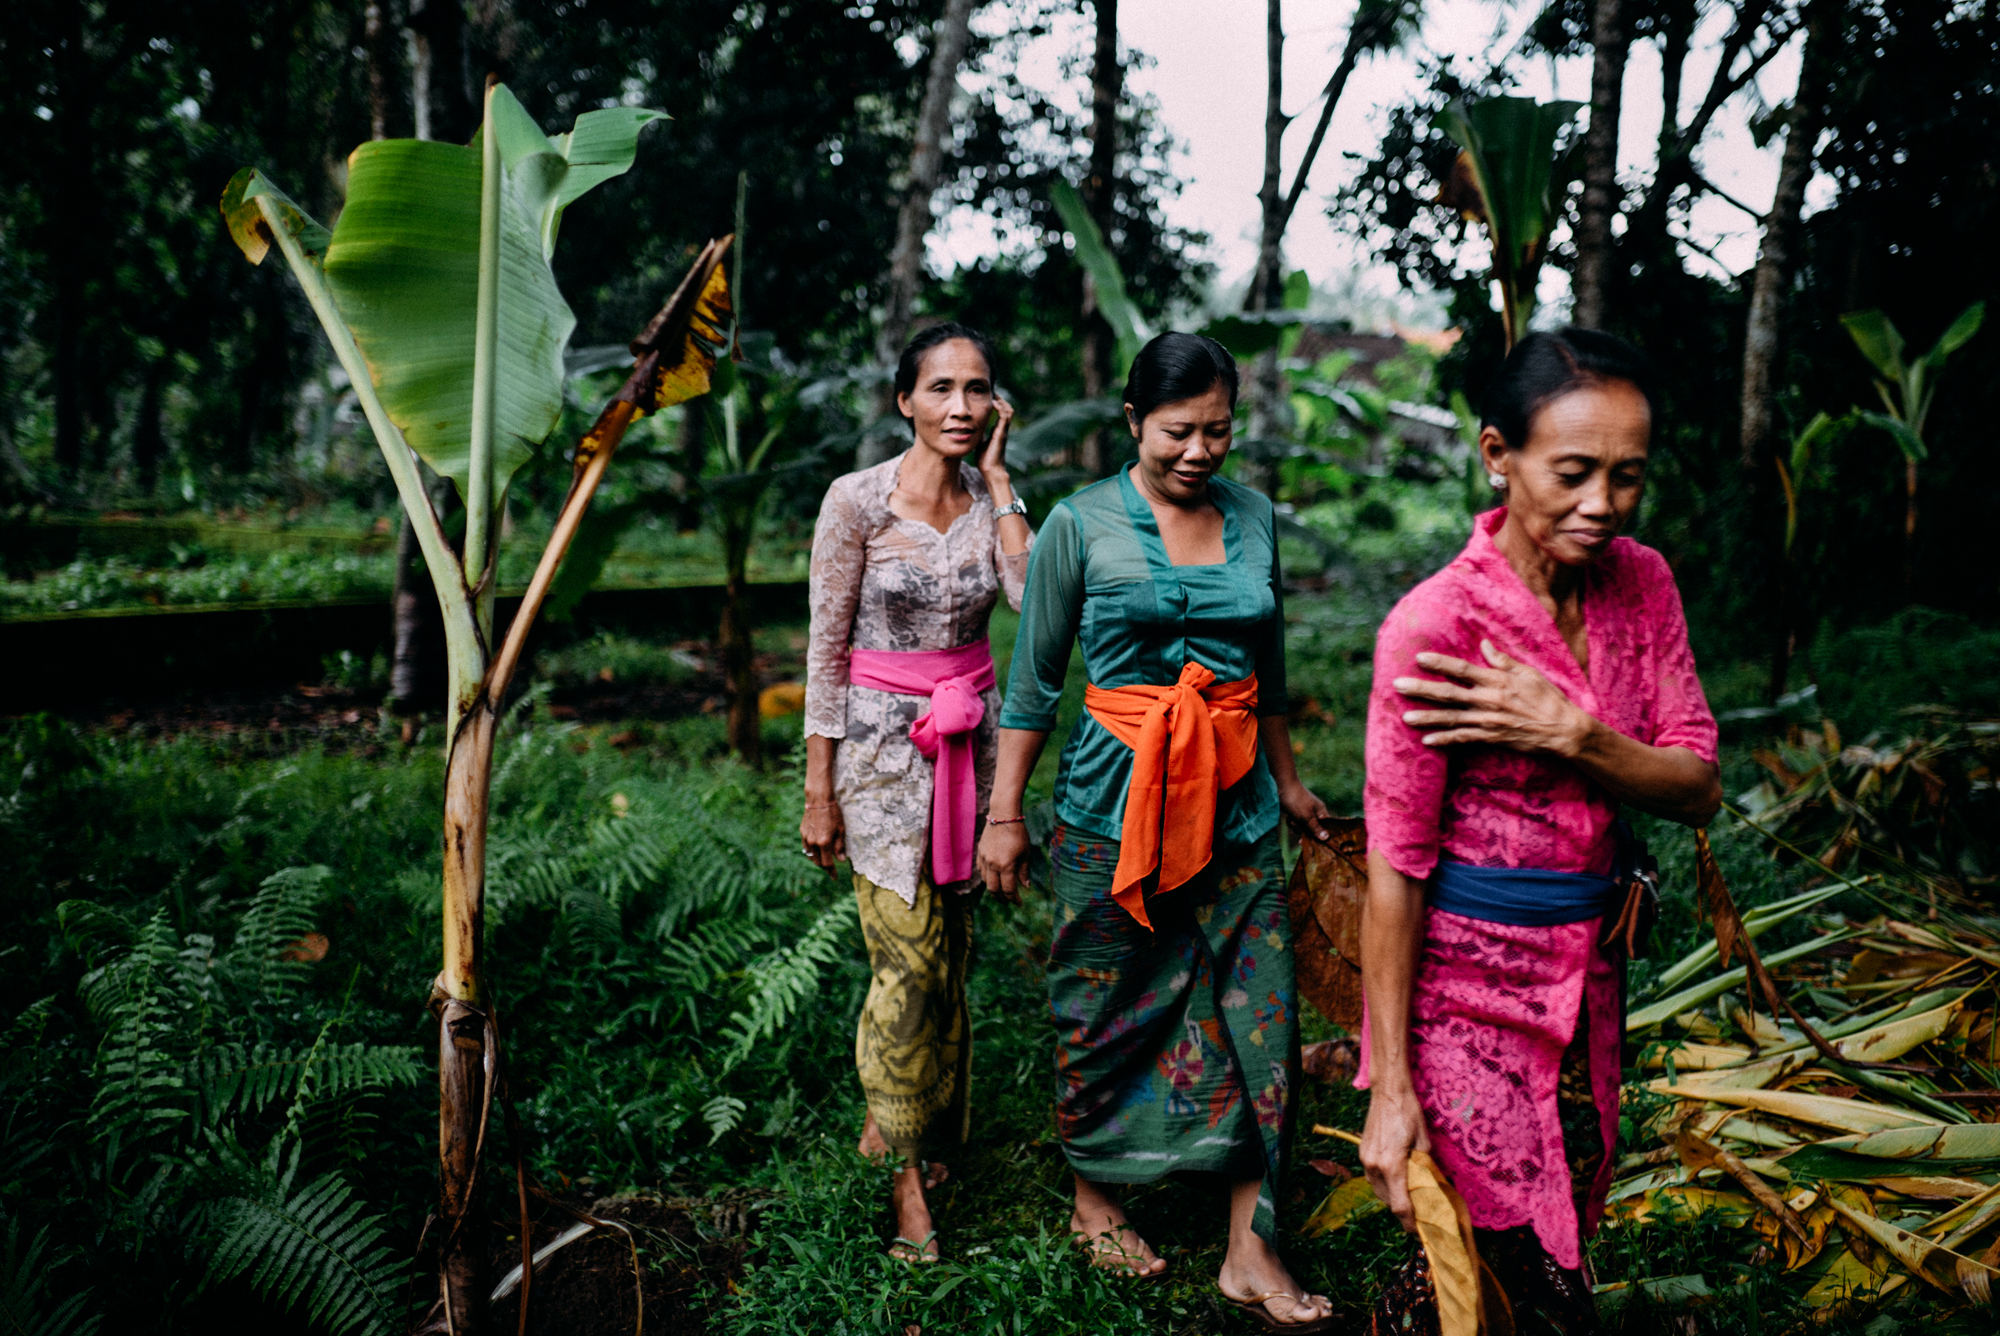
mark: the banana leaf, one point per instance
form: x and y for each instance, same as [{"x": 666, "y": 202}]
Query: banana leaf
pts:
[
  {"x": 1694, "y": 996},
  {"x": 1509, "y": 145},
  {"x": 1128, "y": 326},
  {"x": 1847, "y": 1115},
  {"x": 403, "y": 263}
]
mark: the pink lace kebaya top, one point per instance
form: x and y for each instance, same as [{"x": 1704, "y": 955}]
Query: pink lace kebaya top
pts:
[
  {"x": 1492, "y": 807},
  {"x": 880, "y": 581}
]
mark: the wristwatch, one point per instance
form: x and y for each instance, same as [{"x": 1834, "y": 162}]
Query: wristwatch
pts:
[{"x": 1015, "y": 507}]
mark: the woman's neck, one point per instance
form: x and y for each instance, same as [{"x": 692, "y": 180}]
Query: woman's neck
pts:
[
  {"x": 928, "y": 474},
  {"x": 1549, "y": 580}
]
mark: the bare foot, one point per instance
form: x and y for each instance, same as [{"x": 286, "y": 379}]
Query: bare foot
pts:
[
  {"x": 1252, "y": 1267},
  {"x": 875, "y": 1146},
  {"x": 1099, "y": 1223},
  {"x": 913, "y": 1215}
]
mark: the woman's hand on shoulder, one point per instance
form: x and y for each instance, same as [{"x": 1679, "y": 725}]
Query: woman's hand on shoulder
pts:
[{"x": 1502, "y": 702}]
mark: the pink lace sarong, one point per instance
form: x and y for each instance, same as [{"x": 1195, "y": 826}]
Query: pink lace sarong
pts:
[
  {"x": 1492, "y": 1010},
  {"x": 954, "y": 679}
]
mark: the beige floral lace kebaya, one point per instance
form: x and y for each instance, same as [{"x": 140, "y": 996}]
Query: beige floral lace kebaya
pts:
[{"x": 887, "y": 583}]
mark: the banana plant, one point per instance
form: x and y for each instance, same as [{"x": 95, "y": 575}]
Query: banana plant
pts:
[
  {"x": 1093, "y": 252},
  {"x": 1505, "y": 178},
  {"x": 1907, "y": 389},
  {"x": 435, "y": 291}
]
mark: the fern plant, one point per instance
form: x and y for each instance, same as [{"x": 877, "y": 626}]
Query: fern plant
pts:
[
  {"x": 312, "y": 1243},
  {"x": 191, "y": 1064},
  {"x": 25, "y": 1310}
]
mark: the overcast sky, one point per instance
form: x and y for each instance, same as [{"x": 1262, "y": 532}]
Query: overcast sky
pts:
[{"x": 1207, "y": 75}]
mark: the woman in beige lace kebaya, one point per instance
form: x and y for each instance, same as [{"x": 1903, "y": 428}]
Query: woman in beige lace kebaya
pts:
[{"x": 908, "y": 559}]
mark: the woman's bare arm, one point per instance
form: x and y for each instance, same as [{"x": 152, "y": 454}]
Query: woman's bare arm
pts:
[
  {"x": 1298, "y": 802},
  {"x": 1392, "y": 934},
  {"x": 1508, "y": 703},
  {"x": 1003, "y": 849},
  {"x": 821, "y": 829}
]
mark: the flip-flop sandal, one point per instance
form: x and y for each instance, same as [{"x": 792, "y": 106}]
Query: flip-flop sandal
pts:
[
  {"x": 912, "y": 1252},
  {"x": 1253, "y": 1307},
  {"x": 1107, "y": 1254}
]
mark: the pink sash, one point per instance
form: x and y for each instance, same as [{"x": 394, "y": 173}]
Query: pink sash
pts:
[{"x": 953, "y": 679}]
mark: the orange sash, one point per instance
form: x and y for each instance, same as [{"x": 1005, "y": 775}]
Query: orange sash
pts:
[{"x": 1189, "y": 742}]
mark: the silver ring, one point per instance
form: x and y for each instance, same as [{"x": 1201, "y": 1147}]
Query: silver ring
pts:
[{"x": 807, "y": 852}]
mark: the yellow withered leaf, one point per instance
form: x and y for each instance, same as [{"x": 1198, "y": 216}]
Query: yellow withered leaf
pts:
[
  {"x": 1350, "y": 1201},
  {"x": 1931, "y": 1187},
  {"x": 685, "y": 371},
  {"x": 1886, "y": 1043},
  {"x": 1690, "y": 1057},
  {"x": 1846, "y": 1115},
  {"x": 1850, "y": 1280},
  {"x": 1927, "y": 1261},
  {"x": 1682, "y": 1202},
  {"x": 1444, "y": 1226},
  {"x": 1965, "y": 1141}
]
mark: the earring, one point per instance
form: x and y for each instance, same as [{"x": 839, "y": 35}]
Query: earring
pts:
[{"x": 1496, "y": 481}]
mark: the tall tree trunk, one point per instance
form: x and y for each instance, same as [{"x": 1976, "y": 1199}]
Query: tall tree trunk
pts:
[
  {"x": 1600, "y": 162},
  {"x": 147, "y": 445},
  {"x": 738, "y": 650},
  {"x": 1107, "y": 84},
  {"x": 1757, "y": 435},
  {"x": 375, "y": 40},
  {"x": 913, "y": 220},
  {"x": 1267, "y": 282},
  {"x": 70, "y": 248}
]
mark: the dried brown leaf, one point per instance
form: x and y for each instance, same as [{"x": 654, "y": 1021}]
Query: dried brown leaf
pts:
[{"x": 1327, "y": 888}]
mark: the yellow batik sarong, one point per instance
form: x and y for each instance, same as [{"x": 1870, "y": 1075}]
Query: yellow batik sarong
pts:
[{"x": 913, "y": 1048}]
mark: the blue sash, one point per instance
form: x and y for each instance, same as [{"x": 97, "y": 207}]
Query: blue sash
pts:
[{"x": 1526, "y": 897}]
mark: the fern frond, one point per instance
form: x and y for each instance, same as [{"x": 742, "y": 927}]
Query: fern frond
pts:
[
  {"x": 590, "y": 922},
  {"x": 139, "y": 1084},
  {"x": 284, "y": 909},
  {"x": 23, "y": 1310},
  {"x": 710, "y": 953},
  {"x": 313, "y": 1245},
  {"x": 722, "y": 1114},
  {"x": 240, "y": 1078},
  {"x": 782, "y": 980},
  {"x": 89, "y": 927}
]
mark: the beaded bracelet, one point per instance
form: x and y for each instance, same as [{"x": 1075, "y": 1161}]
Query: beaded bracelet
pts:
[{"x": 1005, "y": 820}]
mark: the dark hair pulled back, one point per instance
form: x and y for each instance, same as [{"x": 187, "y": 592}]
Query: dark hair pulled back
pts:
[
  {"x": 930, "y": 336},
  {"x": 1174, "y": 367},
  {"x": 1545, "y": 366}
]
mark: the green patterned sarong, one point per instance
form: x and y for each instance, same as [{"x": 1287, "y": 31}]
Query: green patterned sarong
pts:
[{"x": 1176, "y": 1048}]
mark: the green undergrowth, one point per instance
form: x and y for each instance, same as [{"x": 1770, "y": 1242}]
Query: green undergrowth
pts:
[{"x": 214, "y": 1032}]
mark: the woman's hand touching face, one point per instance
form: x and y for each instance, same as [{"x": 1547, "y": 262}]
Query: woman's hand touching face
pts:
[{"x": 952, "y": 400}]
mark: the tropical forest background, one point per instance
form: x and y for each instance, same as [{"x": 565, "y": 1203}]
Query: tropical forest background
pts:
[{"x": 223, "y": 685}]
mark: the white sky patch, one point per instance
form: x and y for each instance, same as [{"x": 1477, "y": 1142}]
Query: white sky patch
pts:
[{"x": 1206, "y": 72}]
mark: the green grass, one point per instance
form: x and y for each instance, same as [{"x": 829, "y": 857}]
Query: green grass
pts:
[{"x": 632, "y": 889}]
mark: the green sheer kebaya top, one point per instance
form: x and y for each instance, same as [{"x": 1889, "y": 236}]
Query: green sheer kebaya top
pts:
[{"x": 1099, "y": 569}]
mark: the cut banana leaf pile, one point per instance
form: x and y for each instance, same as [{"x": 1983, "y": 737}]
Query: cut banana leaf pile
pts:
[{"x": 1839, "y": 1099}]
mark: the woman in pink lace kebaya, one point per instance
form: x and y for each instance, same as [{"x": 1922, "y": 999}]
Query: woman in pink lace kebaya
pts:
[
  {"x": 1521, "y": 694},
  {"x": 902, "y": 708}
]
